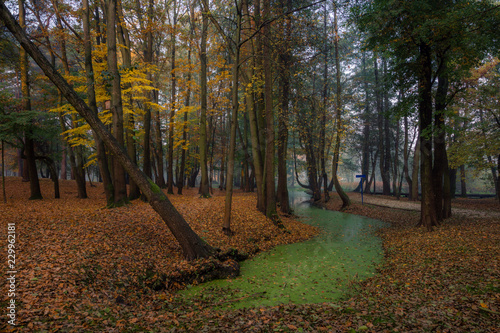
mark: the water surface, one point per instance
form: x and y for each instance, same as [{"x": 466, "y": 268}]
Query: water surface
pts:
[{"x": 314, "y": 271}]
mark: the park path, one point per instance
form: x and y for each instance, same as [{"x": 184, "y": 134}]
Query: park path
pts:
[{"x": 385, "y": 201}]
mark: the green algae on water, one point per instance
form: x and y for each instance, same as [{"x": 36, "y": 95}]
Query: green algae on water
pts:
[{"x": 318, "y": 270}]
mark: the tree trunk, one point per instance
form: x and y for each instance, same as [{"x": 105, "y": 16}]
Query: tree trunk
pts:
[
  {"x": 160, "y": 180},
  {"x": 416, "y": 167},
  {"x": 395, "y": 186},
  {"x": 406, "y": 154},
  {"x": 372, "y": 178},
  {"x": 204, "y": 185},
  {"x": 380, "y": 125},
  {"x": 124, "y": 40},
  {"x": 270, "y": 151},
  {"x": 148, "y": 58},
  {"x": 75, "y": 153},
  {"x": 173, "y": 82},
  {"x": 463, "y": 182},
  {"x": 187, "y": 103},
  {"x": 53, "y": 174},
  {"x": 439, "y": 143},
  {"x": 387, "y": 134},
  {"x": 234, "y": 121},
  {"x": 324, "y": 107},
  {"x": 453, "y": 182},
  {"x": 64, "y": 164},
  {"x": 428, "y": 216},
  {"x": 253, "y": 116},
  {"x": 192, "y": 245},
  {"x": 29, "y": 143},
  {"x": 446, "y": 189},
  {"x": 365, "y": 160},
  {"x": 346, "y": 202},
  {"x": 119, "y": 181},
  {"x": 102, "y": 160},
  {"x": 285, "y": 59}
]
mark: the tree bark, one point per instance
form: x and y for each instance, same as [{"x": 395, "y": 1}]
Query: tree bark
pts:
[
  {"x": 234, "y": 121},
  {"x": 102, "y": 160},
  {"x": 270, "y": 151},
  {"x": 439, "y": 143},
  {"x": 75, "y": 153},
  {"x": 173, "y": 83},
  {"x": 395, "y": 185},
  {"x": 380, "y": 125},
  {"x": 29, "y": 142},
  {"x": 285, "y": 59},
  {"x": 124, "y": 39},
  {"x": 119, "y": 181},
  {"x": 406, "y": 154},
  {"x": 148, "y": 58},
  {"x": 365, "y": 160},
  {"x": 324, "y": 107},
  {"x": 346, "y": 202},
  {"x": 428, "y": 216},
  {"x": 386, "y": 178},
  {"x": 415, "y": 170},
  {"x": 204, "y": 185}
]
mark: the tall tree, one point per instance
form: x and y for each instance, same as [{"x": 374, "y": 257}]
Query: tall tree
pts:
[
  {"x": 204, "y": 184},
  {"x": 75, "y": 153},
  {"x": 324, "y": 107},
  {"x": 148, "y": 58},
  {"x": 234, "y": 120},
  {"x": 285, "y": 59},
  {"x": 187, "y": 101},
  {"x": 346, "y": 202},
  {"x": 129, "y": 117},
  {"x": 192, "y": 245},
  {"x": 173, "y": 87},
  {"x": 268, "y": 95},
  {"x": 119, "y": 181},
  {"x": 419, "y": 35},
  {"x": 29, "y": 141},
  {"x": 102, "y": 160}
]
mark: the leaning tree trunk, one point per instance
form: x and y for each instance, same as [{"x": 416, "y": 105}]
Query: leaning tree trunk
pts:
[{"x": 192, "y": 245}]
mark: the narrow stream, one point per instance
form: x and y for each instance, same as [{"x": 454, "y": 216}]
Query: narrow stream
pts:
[{"x": 314, "y": 271}]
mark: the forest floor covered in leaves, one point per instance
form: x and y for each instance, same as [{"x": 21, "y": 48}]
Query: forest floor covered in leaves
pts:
[{"x": 82, "y": 267}]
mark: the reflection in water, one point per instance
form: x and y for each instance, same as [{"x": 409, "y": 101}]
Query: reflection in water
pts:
[{"x": 314, "y": 271}]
